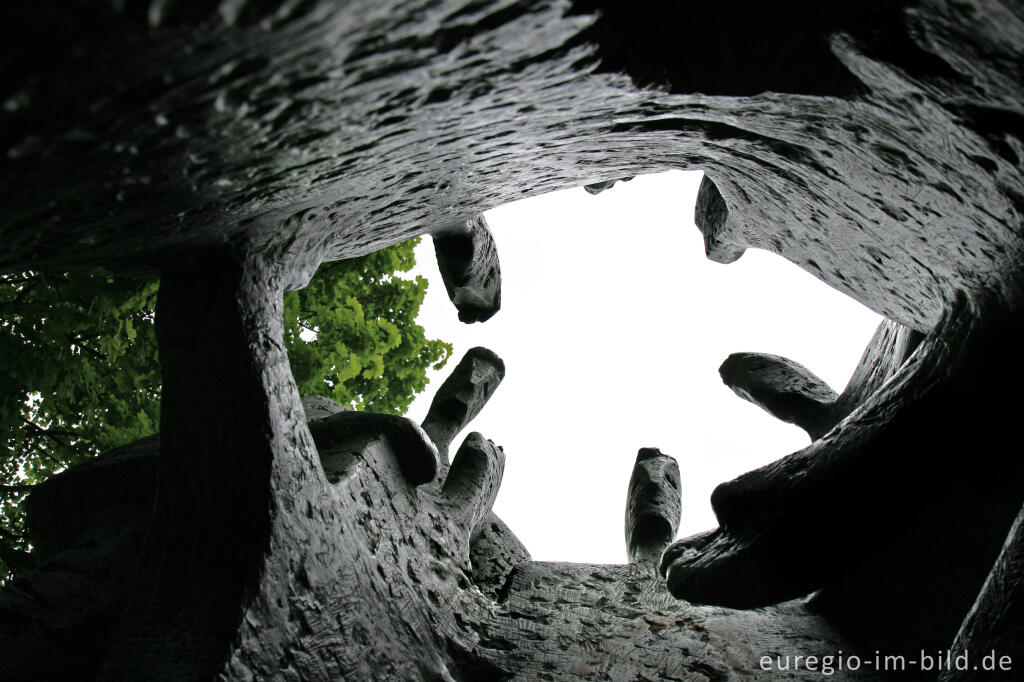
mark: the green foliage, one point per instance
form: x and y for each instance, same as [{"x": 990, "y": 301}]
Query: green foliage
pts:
[
  {"x": 79, "y": 376},
  {"x": 368, "y": 352},
  {"x": 80, "y": 373}
]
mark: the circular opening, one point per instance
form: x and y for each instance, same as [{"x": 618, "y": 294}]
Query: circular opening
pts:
[{"x": 612, "y": 328}]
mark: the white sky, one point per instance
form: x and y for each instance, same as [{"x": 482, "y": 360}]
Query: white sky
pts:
[{"x": 612, "y": 327}]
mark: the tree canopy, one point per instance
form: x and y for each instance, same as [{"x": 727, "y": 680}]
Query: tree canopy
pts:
[
  {"x": 368, "y": 352},
  {"x": 81, "y": 375}
]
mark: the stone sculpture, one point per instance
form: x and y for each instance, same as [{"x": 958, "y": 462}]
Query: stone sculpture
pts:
[{"x": 230, "y": 147}]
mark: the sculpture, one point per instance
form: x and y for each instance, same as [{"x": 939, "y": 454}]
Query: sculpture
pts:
[{"x": 230, "y": 147}]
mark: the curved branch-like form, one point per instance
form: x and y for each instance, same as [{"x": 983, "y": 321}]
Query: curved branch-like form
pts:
[
  {"x": 417, "y": 454},
  {"x": 461, "y": 397},
  {"x": 783, "y": 388},
  {"x": 232, "y": 423},
  {"x": 653, "y": 506},
  {"x": 890, "y": 347},
  {"x": 473, "y": 481},
  {"x": 231, "y": 146},
  {"x": 495, "y": 549},
  {"x": 829, "y": 517}
]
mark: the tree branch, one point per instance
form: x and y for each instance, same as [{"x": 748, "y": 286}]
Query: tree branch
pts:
[
  {"x": 49, "y": 434},
  {"x": 16, "y": 559}
]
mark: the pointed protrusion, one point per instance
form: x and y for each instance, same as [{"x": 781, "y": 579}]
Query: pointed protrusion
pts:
[
  {"x": 785, "y": 389},
  {"x": 468, "y": 261},
  {"x": 473, "y": 481},
  {"x": 778, "y": 524},
  {"x": 653, "y": 506},
  {"x": 598, "y": 187},
  {"x": 416, "y": 453},
  {"x": 791, "y": 392},
  {"x": 461, "y": 397},
  {"x": 711, "y": 214}
]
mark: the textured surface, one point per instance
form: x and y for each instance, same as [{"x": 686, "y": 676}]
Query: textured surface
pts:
[
  {"x": 619, "y": 623},
  {"x": 833, "y": 517},
  {"x": 370, "y": 122},
  {"x": 652, "y": 507},
  {"x": 791, "y": 392},
  {"x": 230, "y": 147},
  {"x": 550, "y": 621},
  {"x": 995, "y": 625},
  {"x": 784, "y": 388},
  {"x": 461, "y": 397},
  {"x": 468, "y": 261}
]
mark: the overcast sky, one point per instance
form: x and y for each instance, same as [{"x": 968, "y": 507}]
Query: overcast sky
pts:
[{"x": 612, "y": 327}]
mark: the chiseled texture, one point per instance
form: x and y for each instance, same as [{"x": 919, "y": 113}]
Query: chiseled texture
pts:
[
  {"x": 318, "y": 407},
  {"x": 791, "y": 392},
  {"x": 461, "y": 397},
  {"x": 891, "y": 345},
  {"x": 232, "y": 146},
  {"x": 883, "y": 515},
  {"x": 653, "y": 503},
  {"x": 468, "y": 261},
  {"x": 494, "y": 550},
  {"x": 618, "y": 623},
  {"x": 887, "y": 165},
  {"x": 783, "y": 388},
  {"x": 404, "y": 604}
]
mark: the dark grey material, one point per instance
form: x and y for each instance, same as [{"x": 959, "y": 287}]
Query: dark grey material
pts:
[
  {"x": 653, "y": 504},
  {"x": 487, "y": 640},
  {"x": 473, "y": 481},
  {"x": 794, "y": 394},
  {"x": 494, "y": 548},
  {"x": 461, "y": 397},
  {"x": 318, "y": 407},
  {"x": 784, "y": 388},
  {"x": 585, "y": 621},
  {"x": 416, "y": 453},
  {"x": 231, "y": 147},
  {"x": 598, "y": 187},
  {"x": 834, "y": 516},
  {"x": 494, "y": 552},
  {"x": 468, "y": 261},
  {"x": 994, "y": 628}
]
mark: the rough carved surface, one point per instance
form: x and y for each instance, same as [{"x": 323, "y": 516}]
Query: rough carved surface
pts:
[
  {"x": 645, "y": 630},
  {"x": 782, "y": 387},
  {"x": 618, "y": 623},
  {"x": 792, "y": 393},
  {"x": 461, "y": 397},
  {"x": 494, "y": 548},
  {"x": 832, "y": 517},
  {"x": 318, "y": 407},
  {"x": 468, "y": 261},
  {"x": 653, "y": 506},
  {"x": 230, "y": 147}
]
